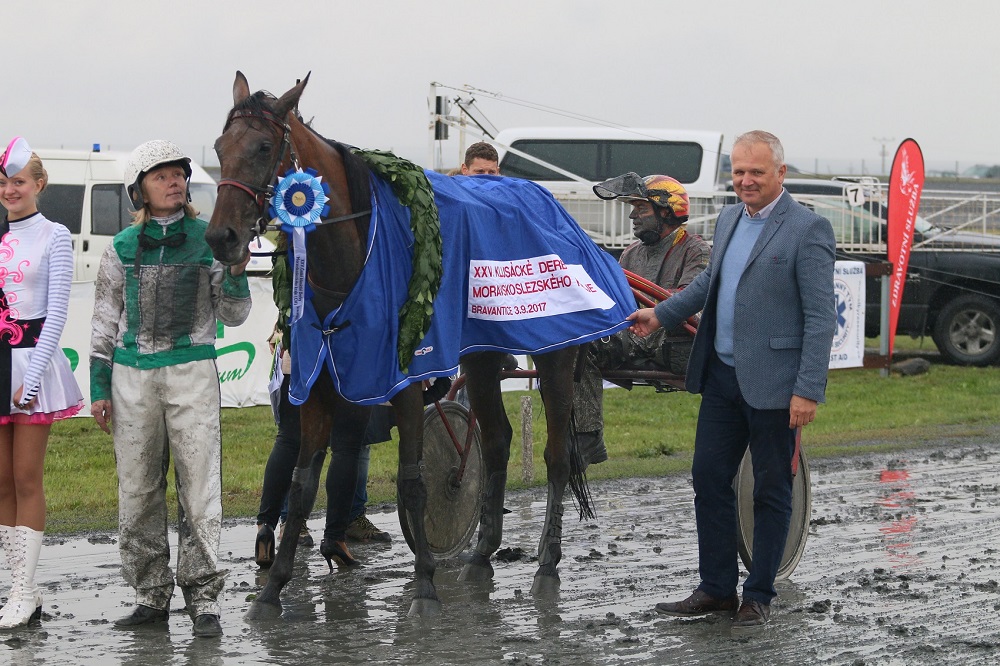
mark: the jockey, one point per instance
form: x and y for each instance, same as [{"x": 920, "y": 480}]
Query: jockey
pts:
[
  {"x": 159, "y": 294},
  {"x": 665, "y": 254}
]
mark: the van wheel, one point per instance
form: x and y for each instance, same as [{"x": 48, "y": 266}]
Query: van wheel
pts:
[{"x": 967, "y": 330}]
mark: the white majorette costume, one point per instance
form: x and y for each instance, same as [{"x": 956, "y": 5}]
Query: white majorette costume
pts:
[{"x": 36, "y": 271}]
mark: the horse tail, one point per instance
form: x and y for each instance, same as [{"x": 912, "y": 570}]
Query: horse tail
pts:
[{"x": 578, "y": 478}]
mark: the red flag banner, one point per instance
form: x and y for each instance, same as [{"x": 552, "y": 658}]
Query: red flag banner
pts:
[{"x": 906, "y": 182}]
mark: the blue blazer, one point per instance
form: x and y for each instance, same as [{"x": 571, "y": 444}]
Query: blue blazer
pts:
[{"x": 785, "y": 315}]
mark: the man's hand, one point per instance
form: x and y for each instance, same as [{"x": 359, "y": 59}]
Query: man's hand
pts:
[
  {"x": 802, "y": 411},
  {"x": 644, "y": 322},
  {"x": 101, "y": 411}
]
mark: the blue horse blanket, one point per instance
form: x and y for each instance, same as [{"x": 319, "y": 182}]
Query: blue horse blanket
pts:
[{"x": 519, "y": 276}]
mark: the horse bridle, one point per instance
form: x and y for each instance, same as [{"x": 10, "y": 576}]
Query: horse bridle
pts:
[{"x": 262, "y": 194}]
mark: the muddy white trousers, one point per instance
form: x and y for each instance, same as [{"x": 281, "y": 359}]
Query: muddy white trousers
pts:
[{"x": 158, "y": 414}]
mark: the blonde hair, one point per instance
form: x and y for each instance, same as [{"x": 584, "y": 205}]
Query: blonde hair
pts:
[{"x": 37, "y": 171}]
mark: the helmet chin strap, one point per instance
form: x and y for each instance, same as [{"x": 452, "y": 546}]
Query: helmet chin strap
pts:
[{"x": 650, "y": 237}]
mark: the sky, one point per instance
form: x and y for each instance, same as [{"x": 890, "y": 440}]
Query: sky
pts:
[{"x": 838, "y": 81}]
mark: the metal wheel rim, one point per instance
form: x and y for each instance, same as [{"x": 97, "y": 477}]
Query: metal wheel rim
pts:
[
  {"x": 973, "y": 327},
  {"x": 798, "y": 528},
  {"x": 452, "y": 514}
]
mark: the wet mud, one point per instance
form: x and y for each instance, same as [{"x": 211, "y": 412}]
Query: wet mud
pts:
[{"x": 901, "y": 567}]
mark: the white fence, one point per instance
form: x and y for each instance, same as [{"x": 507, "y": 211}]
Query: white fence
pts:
[{"x": 945, "y": 217}]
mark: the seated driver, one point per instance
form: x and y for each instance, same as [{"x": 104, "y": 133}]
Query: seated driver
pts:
[{"x": 665, "y": 254}]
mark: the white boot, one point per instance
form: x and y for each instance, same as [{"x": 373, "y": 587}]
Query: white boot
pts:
[
  {"x": 25, "y": 603},
  {"x": 7, "y": 544}
]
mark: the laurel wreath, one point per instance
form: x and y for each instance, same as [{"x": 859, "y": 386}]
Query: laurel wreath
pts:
[{"x": 411, "y": 187}]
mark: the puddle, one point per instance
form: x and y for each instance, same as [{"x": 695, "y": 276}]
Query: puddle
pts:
[{"x": 901, "y": 567}]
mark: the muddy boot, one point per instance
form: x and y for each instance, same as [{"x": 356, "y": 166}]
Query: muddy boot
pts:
[
  {"x": 363, "y": 530},
  {"x": 591, "y": 447},
  {"x": 608, "y": 352}
]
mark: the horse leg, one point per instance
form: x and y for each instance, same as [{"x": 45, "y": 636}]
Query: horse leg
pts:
[
  {"x": 482, "y": 377},
  {"x": 316, "y": 424},
  {"x": 555, "y": 372},
  {"x": 412, "y": 495}
]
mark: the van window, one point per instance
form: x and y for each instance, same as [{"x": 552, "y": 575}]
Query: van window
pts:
[
  {"x": 63, "y": 204},
  {"x": 600, "y": 159},
  {"x": 109, "y": 209},
  {"x": 203, "y": 199}
]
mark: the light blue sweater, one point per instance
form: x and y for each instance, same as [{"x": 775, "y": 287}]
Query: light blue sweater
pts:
[{"x": 744, "y": 236}]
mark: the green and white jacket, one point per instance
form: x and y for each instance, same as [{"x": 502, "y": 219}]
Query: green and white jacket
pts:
[{"x": 165, "y": 310}]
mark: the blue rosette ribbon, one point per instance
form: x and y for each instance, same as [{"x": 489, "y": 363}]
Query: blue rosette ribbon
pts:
[{"x": 299, "y": 202}]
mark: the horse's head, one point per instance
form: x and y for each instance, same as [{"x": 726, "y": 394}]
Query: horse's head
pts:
[{"x": 253, "y": 149}]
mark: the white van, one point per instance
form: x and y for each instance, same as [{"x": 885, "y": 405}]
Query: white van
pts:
[
  {"x": 86, "y": 193},
  {"x": 595, "y": 154}
]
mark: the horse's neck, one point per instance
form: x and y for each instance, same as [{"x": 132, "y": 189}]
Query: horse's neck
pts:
[
  {"x": 335, "y": 259},
  {"x": 335, "y": 251}
]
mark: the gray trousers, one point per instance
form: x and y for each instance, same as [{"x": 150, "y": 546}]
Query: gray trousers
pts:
[{"x": 159, "y": 413}]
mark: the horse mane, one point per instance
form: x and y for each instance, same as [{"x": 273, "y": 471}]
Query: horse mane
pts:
[{"x": 356, "y": 171}]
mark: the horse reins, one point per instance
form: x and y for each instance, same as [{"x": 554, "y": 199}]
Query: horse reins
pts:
[{"x": 262, "y": 194}]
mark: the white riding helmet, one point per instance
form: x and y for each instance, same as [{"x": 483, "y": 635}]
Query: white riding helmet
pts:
[{"x": 147, "y": 157}]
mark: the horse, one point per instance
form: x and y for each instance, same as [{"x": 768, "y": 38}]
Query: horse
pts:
[{"x": 264, "y": 137}]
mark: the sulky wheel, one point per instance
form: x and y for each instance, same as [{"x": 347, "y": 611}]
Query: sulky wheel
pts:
[
  {"x": 798, "y": 528},
  {"x": 453, "y": 504}
]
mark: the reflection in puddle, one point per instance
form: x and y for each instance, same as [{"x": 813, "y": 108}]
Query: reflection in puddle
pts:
[
  {"x": 897, "y": 522},
  {"x": 844, "y": 604}
]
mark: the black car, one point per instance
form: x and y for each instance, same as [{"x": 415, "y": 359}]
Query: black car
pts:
[{"x": 952, "y": 289}]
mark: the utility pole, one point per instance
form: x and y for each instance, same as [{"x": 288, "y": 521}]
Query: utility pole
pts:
[{"x": 884, "y": 152}]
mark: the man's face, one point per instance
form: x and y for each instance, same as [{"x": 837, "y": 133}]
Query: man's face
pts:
[
  {"x": 481, "y": 167},
  {"x": 645, "y": 222},
  {"x": 756, "y": 178}
]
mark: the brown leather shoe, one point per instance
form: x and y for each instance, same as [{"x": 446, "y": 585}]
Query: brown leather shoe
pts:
[
  {"x": 697, "y": 604},
  {"x": 751, "y": 615}
]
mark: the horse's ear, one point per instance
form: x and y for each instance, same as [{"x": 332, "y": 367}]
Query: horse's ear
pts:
[
  {"x": 290, "y": 99},
  {"x": 241, "y": 89}
]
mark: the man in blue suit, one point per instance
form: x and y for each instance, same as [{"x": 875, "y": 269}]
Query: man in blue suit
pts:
[{"x": 759, "y": 360}]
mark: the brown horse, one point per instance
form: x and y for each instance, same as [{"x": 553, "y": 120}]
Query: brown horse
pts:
[{"x": 261, "y": 136}]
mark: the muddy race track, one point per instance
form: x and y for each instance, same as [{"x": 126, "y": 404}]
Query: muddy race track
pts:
[{"x": 901, "y": 567}]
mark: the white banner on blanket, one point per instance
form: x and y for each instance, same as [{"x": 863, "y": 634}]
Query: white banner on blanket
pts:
[
  {"x": 528, "y": 288},
  {"x": 848, "y": 350}
]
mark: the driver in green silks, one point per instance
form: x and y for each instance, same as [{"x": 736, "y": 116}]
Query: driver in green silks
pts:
[{"x": 155, "y": 386}]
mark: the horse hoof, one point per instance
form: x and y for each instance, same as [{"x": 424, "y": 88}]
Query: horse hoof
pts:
[
  {"x": 424, "y": 608},
  {"x": 545, "y": 585},
  {"x": 476, "y": 573},
  {"x": 262, "y": 611}
]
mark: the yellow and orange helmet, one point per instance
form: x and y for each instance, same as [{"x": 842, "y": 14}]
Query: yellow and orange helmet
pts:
[
  {"x": 658, "y": 190},
  {"x": 669, "y": 193}
]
